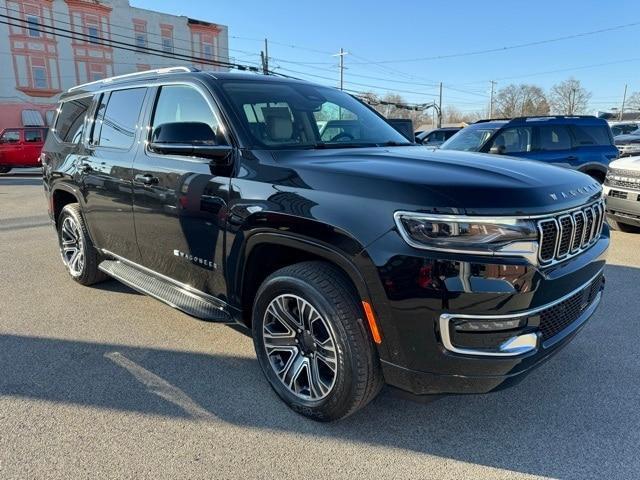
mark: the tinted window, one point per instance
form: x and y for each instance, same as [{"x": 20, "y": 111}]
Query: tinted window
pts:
[
  {"x": 470, "y": 139},
  {"x": 10, "y": 136},
  {"x": 33, "y": 136},
  {"x": 513, "y": 140},
  {"x": 118, "y": 126},
  {"x": 282, "y": 114},
  {"x": 71, "y": 119},
  {"x": 591, "y": 135},
  {"x": 182, "y": 103},
  {"x": 554, "y": 137}
]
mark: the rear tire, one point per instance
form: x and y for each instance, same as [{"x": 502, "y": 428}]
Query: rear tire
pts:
[
  {"x": 5, "y": 169},
  {"x": 79, "y": 255},
  {"x": 622, "y": 227},
  {"x": 596, "y": 175},
  {"x": 312, "y": 343}
]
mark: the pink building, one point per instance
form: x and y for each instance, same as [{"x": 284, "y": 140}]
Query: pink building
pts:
[{"x": 51, "y": 45}]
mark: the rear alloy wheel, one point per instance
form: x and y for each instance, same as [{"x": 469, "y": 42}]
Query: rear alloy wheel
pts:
[
  {"x": 78, "y": 253},
  {"x": 312, "y": 343}
]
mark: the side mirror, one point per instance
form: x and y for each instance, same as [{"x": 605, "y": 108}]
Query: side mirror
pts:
[
  {"x": 497, "y": 149},
  {"x": 193, "y": 139}
]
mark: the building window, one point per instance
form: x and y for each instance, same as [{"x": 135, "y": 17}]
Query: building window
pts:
[
  {"x": 39, "y": 76},
  {"x": 33, "y": 26},
  {"x": 93, "y": 33},
  {"x": 167, "y": 44},
  {"x": 97, "y": 71},
  {"x": 140, "y": 29},
  {"x": 207, "y": 51}
]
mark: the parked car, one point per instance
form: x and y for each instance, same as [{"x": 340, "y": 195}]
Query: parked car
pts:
[
  {"x": 583, "y": 143},
  {"x": 353, "y": 259},
  {"x": 622, "y": 128},
  {"x": 20, "y": 147},
  {"x": 622, "y": 190},
  {"x": 436, "y": 137},
  {"x": 629, "y": 144}
]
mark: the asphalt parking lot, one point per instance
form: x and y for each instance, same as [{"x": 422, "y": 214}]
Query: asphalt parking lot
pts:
[{"x": 105, "y": 383}]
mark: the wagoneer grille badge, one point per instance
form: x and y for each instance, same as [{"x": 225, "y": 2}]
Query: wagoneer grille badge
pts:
[{"x": 566, "y": 235}]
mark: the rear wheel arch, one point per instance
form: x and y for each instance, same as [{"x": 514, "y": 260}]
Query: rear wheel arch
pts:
[{"x": 61, "y": 197}]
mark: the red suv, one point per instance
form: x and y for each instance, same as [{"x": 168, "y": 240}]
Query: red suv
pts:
[{"x": 20, "y": 147}]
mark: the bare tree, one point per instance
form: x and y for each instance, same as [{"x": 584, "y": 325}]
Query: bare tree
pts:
[
  {"x": 451, "y": 114},
  {"x": 519, "y": 100},
  {"x": 569, "y": 97},
  {"x": 634, "y": 101}
]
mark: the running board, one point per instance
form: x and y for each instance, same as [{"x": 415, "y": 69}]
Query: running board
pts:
[{"x": 173, "y": 295}]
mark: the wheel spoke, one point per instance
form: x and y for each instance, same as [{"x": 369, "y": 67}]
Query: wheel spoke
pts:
[
  {"x": 279, "y": 340},
  {"x": 293, "y": 369},
  {"x": 279, "y": 310},
  {"x": 317, "y": 386}
]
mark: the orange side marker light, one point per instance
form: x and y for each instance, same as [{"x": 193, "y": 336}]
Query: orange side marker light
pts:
[{"x": 375, "y": 333}]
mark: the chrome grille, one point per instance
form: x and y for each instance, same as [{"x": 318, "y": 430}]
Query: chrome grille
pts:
[{"x": 568, "y": 234}]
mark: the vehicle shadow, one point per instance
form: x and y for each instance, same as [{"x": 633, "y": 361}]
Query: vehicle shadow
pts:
[{"x": 576, "y": 416}]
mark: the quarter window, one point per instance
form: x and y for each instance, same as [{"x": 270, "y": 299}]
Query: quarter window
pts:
[
  {"x": 71, "y": 119},
  {"x": 118, "y": 125},
  {"x": 554, "y": 137},
  {"x": 591, "y": 135},
  {"x": 181, "y": 103}
]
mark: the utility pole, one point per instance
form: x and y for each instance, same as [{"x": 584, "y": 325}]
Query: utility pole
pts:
[
  {"x": 264, "y": 55},
  {"x": 440, "y": 108},
  {"x": 624, "y": 99},
  {"x": 341, "y": 55},
  {"x": 493, "y": 84}
]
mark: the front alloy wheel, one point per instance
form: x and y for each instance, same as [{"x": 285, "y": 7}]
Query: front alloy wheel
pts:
[
  {"x": 312, "y": 343},
  {"x": 301, "y": 347}
]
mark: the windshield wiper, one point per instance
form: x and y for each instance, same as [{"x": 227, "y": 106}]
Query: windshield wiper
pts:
[
  {"x": 321, "y": 146},
  {"x": 392, "y": 143}
]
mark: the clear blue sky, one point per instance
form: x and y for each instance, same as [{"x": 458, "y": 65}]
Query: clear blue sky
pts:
[{"x": 308, "y": 31}]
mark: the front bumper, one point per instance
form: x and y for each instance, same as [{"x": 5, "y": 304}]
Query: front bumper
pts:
[
  {"x": 623, "y": 204},
  {"x": 421, "y": 292}
]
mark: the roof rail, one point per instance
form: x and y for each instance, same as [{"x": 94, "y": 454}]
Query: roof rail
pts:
[
  {"x": 529, "y": 117},
  {"x": 157, "y": 71}
]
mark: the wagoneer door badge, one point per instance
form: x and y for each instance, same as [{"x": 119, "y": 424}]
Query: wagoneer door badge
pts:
[{"x": 201, "y": 262}]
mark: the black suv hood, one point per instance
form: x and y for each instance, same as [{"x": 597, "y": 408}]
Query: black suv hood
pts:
[{"x": 441, "y": 181}]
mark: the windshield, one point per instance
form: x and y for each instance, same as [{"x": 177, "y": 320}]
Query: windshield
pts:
[
  {"x": 469, "y": 139},
  {"x": 292, "y": 115}
]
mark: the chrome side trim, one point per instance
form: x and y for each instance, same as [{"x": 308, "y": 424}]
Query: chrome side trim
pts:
[
  {"x": 445, "y": 320},
  {"x": 187, "y": 288}
]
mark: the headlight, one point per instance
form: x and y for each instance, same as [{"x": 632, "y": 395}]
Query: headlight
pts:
[{"x": 482, "y": 235}]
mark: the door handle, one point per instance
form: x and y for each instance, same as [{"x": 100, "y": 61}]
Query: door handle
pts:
[
  {"x": 146, "y": 179},
  {"x": 571, "y": 158}
]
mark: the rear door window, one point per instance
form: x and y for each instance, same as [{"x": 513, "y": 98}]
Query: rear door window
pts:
[
  {"x": 591, "y": 135},
  {"x": 120, "y": 120},
  {"x": 553, "y": 138},
  {"x": 513, "y": 140},
  {"x": 71, "y": 119},
  {"x": 33, "y": 136}
]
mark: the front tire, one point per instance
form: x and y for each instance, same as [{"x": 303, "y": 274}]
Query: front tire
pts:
[
  {"x": 312, "y": 343},
  {"x": 79, "y": 255}
]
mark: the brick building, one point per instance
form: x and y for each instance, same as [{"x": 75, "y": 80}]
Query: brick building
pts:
[{"x": 90, "y": 42}]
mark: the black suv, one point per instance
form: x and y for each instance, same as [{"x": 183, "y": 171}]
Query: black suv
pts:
[{"x": 356, "y": 260}]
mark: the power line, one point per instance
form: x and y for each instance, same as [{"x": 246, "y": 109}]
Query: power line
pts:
[{"x": 510, "y": 47}]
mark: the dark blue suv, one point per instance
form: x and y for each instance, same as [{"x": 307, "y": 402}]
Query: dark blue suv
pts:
[{"x": 584, "y": 143}]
